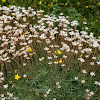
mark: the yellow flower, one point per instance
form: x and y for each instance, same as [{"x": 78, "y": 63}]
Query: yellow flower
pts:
[
  {"x": 9, "y": 6},
  {"x": 40, "y": 2},
  {"x": 60, "y": 61},
  {"x": 59, "y": 52},
  {"x": 81, "y": 55},
  {"x": 99, "y": 3},
  {"x": 30, "y": 49},
  {"x": 87, "y": 6},
  {"x": 97, "y": 20},
  {"x": 55, "y": 52},
  {"x": 17, "y": 76},
  {"x": 3, "y": 0},
  {"x": 24, "y": 33},
  {"x": 51, "y": 4}
]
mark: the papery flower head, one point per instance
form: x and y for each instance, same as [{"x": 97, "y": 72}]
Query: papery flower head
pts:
[
  {"x": 57, "y": 83},
  {"x": 92, "y": 74},
  {"x": 59, "y": 86},
  {"x": 83, "y": 81},
  {"x": 76, "y": 78},
  {"x": 5, "y": 86},
  {"x": 1, "y": 74},
  {"x": 84, "y": 71}
]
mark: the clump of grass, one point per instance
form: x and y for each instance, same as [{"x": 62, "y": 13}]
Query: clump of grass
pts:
[{"x": 47, "y": 57}]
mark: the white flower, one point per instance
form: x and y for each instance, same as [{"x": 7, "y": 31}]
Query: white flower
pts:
[
  {"x": 63, "y": 65},
  {"x": 8, "y": 93},
  {"x": 54, "y": 98},
  {"x": 24, "y": 64},
  {"x": 99, "y": 83},
  {"x": 1, "y": 74},
  {"x": 64, "y": 56},
  {"x": 2, "y": 78},
  {"x": 45, "y": 95},
  {"x": 84, "y": 22},
  {"x": 87, "y": 90},
  {"x": 49, "y": 58},
  {"x": 57, "y": 83},
  {"x": 88, "y": 98},
  {"x": 59, "y": 86},
  {"x": 98, "y": 62},
  {"x": 24, "y": 76},
  {"x": 92, "y": 74},
  {"x": 91, "y": 63},
  {"x": 76, "y": 78},
  {"x": 96, "y": 82},
  {"x": 11, "y": 94},
  {"x": 47, "y": 92},
  {"x": 83, "y": 81},
  {"x": 92, "y": 93},
  {"x": 55, "y": 56},
  {"x": 46, "y": 48},
  {"x": 5, "y": 86},
  {"x": 2, "y": 95},
  {"x": 84, "y": 71},
  {"x": 50, "y": 63},
  {"x": 56, "y": 62},
  {"x": 94, "y": 58}
]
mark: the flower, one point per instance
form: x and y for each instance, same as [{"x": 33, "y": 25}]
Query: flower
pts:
[
  {"x": 87, "y": 90},
  {"x": 1, "y": 74},
  {"x": 24, "y": 33},
  {"x": 5, "y": 86},
  {"x": 92, "y": 74},
  {"x": 60, "y": 61},
  {"x": 87, "y": 6},
  {"x": 96, "y": 82},
  {"x": 45, "y": 95},
  {"x": 9, "y": 6},
  {"x": 81, "y": 55},
  {"x": 30, "y": 49},
  {"x": 92, "y": 93},
  {"x": 99, "y": 3},
  {"x": 24, "y": 76},
  {"x": 17, "y": 76},
  {"x": 59, "y": 86},
  {"x": 4, "y": 0},
  {"x": 40, "y": 2},
  {"x": 59, "y": 52},
  {"x": 76, "y": 78},
  {"x": 83, "y": 81},
  {"x": 57, "y": 83},
  {"x": 84, "y": 71}
]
